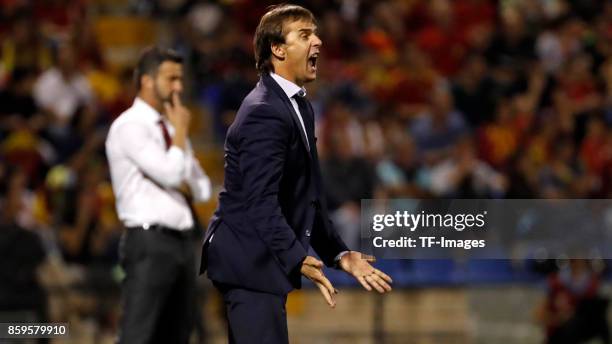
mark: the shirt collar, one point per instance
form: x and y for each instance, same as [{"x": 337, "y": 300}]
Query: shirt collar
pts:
[
  {"x": 147, "y": 110},
  {"x": 288, "y": 87}
]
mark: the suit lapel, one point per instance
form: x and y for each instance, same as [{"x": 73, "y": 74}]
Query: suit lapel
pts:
[{"x": 271, "y": 84}]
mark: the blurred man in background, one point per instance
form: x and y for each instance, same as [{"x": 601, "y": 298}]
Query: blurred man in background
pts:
[{"x": 152, "y": 169}]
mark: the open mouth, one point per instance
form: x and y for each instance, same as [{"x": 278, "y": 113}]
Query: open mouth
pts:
[{"x": 312, "y": 62}]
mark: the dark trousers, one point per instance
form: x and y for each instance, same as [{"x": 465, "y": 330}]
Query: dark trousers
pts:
[
  {"x": 158, "y": 293},
  {"x": 254, "y": 317}
]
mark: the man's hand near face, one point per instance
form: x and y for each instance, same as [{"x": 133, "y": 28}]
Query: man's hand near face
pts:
[{"x": 180, "y": 117}]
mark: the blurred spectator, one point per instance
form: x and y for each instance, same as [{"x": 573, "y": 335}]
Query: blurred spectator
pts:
[
  {"x": 20, "y": 122},
  {"x": 24, "y": 46},
  {"x": 595, "y": 151},
  {"x": 397, "y": 171},
  {"x": 578, "y": 84},
  {"x": 414, "y": 78},
  {"x": 58, "y": 18},
  {"x": 473, "y": 91},
  {"x": 522, "y": 178},
  {"x": 564, "y": 176},
  {"x": 463, "y": 175},
  {"x": 441, "y": 39},
  {"x": 341, "y": 120},
  {"x": 574, "y": 310},
  {"x": 348, "y": 179},
  {"x": 63, "y": 90},
  {"x": 499, "y": 140},
  {"x": 16, "y": 99},
  {"x": 512, "y": 43},
  {"x": 20, "y": 290},
  {"x": 340, "y": 43},
  {"x": 65, "y": 94},
  {"x": 438, "y": 129},
  {"x": 85, "y": 235}
]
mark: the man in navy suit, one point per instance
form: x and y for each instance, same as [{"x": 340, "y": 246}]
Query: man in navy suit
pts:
[{"x": 272, "y": 207}]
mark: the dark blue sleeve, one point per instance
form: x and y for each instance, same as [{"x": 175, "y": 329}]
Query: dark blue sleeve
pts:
[
  {"x": 325, "y": 239},
  {"x": 264, "y": 138}
]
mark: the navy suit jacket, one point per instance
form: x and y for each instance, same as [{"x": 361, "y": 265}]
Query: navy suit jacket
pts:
[{"x": 272, "y": 207}]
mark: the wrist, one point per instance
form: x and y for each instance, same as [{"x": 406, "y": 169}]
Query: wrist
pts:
[
  {"x": 300, "y": 266},
  {"x": 180, "y": 138},
  {"x": 180, "y": 130},
  {"x": 338, "y": 259}
]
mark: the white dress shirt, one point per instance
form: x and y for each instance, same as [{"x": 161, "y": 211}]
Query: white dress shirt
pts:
[
  {"x": 291, "y": 90},
  {"x": 145, "y": 175}
]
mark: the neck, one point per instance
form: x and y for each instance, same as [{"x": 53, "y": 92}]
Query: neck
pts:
[
  {"x": 151, "y": 100},
  {"x": 285, "y": 74}
]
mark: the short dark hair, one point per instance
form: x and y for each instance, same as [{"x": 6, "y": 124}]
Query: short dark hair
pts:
[
  {"x": 270, "y": 31},
  {"x": 151, "y": 59}
]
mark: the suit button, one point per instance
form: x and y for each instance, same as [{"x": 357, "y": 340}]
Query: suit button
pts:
[{"x": 307, "y": 233}]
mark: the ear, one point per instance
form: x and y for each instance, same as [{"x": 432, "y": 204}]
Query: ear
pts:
[
  {"x": 146, "y": 81},
  {"x": 278, "y": 50}
]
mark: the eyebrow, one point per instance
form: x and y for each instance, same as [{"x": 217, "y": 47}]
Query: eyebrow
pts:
[{"x": 308, "y": 30}]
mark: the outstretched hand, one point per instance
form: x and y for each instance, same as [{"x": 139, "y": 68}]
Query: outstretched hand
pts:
[
  {"x": 312, "y": 268},
  {"x": 358, "y": 265}
]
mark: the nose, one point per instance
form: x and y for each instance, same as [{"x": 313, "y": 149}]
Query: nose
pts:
[{"x": 316, "y": 41}]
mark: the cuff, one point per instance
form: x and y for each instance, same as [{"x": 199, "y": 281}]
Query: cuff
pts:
[
  {"x": 337, "y": 259},
  {"x": 176, "y": 151},
  {"x": 202, "y": 189},
  {"x": 292, "y": 257},
  {"x": 177, "y": 155}
]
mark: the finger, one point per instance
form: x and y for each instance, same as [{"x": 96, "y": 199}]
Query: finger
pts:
[
  {"x": 374, "y": 283},
  {"x": 371, "y": 281},
  {"x": 382, "y": 283},
  {"x": 364, "y": 284},
  {"x": 167, "y": 107},
  {"x": 383, "y": 276},
  {"x": 326, "y": 295},
  {"x": 325, "y": 282},
  {"x": 176, "y": 100},
  {"x": 329, "y": 286}
]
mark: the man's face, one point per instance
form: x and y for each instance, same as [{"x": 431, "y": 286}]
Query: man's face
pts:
[
  {"x": 301, "y": 47},
  {"x": 168, "y": 80}
]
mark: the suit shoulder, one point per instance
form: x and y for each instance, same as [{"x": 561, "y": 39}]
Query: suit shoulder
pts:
[
  {"x": 258, "y": 111},
  {"x": 259, "y": 102}
]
